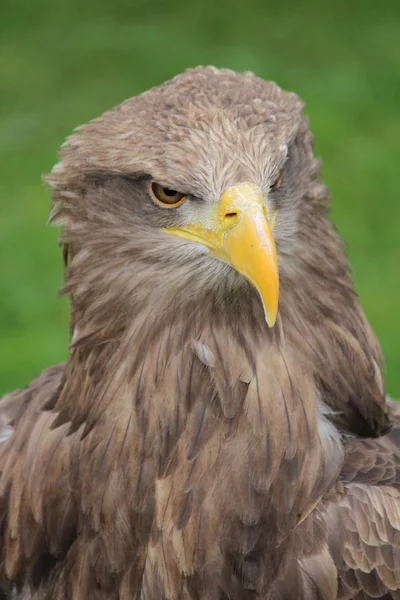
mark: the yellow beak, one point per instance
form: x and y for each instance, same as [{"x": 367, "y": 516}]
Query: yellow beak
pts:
[{"x": 241, "y": 235}]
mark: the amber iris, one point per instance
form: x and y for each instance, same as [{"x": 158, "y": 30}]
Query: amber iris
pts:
[{"x": 165, "y": 196}]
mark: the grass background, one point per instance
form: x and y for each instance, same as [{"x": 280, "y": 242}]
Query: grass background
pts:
[{"x": 63, "y": 62}]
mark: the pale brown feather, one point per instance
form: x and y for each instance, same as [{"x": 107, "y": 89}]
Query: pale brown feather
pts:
[{"x": 185, "y": 450}]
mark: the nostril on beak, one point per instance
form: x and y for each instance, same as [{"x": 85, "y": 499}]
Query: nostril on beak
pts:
[{"x": 230, "y": 219}]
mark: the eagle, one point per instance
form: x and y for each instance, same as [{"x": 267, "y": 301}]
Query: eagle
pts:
[{"x": 220, "y": 429}]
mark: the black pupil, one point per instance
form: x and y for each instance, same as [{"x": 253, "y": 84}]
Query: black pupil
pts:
[{"x": 169, "y": 192}]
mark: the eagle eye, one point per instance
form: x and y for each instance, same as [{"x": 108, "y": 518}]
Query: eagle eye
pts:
[
  {"x": 165, "y": 196},
  {"x": 277, "y": 182}
]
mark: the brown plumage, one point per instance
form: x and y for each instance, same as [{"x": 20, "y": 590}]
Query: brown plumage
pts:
[{"x": 186, "y": 450}]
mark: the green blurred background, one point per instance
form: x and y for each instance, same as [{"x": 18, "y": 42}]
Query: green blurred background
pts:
[{"x": 64, "y": 62}]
